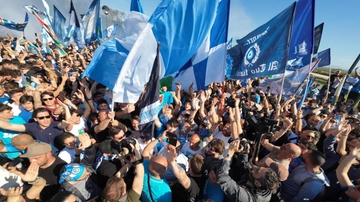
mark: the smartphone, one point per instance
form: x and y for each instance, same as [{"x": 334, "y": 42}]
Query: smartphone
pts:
[
  {"x": 171, "y": 141},
  {"x": 14, "y": 163}
]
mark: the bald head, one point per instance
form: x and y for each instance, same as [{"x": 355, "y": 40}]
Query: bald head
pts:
[
  {"x": 22, "y": 141},
  {"x": 294, "y": 150},
  {"x": 195, "y": 138},
  {"x": 158, "y": 166}
]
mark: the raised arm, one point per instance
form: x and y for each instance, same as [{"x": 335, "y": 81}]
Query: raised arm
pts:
[
  {"x": 343, "y": 169},
  {"x": 179, "y": 172}
]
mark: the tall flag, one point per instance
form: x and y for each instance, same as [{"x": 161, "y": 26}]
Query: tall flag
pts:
[
  {"x": 136, "y": 6},
  {"x": 90, "y": 22},
  {"x": 99, "y": 29},
  {"x": 208, "y": 64},
  {"x": 324, "y": 56},
  {"x": 306, "y": 92},
  {"x": 181, "y": 26},
  {"x": 47, "y": 13},
  {"x": 110, "y": 31},
  {"x": 150, "y": 103},
  {"x": 32, "y": 9},
  {"x": 13, "y": 25},
  {"x": 59, "y": 24},
  {"x": 264, "y": 51},
  {"x": 229, "y": 60},
  {"x": 72, "y": 26},
  {"x": 317, "y": 37},
  {"x": 302, "y": 35},
  {"x": 340, "y": 86}
]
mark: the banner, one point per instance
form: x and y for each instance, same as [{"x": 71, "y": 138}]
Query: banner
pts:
[
  {"x": 13, "y": 25},
  {"x": 59, "y": 24},
  {"x": 90, "y": 22},
  {"x": 264, "y": 51},
  {"x": 317, "y": 37},
  {"x": 324, "y": 56},
  {"x": 302, "y": 37}
]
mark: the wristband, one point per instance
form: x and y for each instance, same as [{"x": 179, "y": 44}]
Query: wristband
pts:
[{"x": 35, "y": 181}]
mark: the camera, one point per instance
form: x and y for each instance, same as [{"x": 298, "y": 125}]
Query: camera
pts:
[{"x": 126, "y": 143}]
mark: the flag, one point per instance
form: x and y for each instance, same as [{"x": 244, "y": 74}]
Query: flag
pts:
[
  {"x": 99, "y": 29},
  {"x": 317, "y": 36},
  {"x": 229, "y": 60},
  {"x": 150, "y": 103},
  {"x": 136, "y": 6},
  {"x": 302, "y": 35},
  {"x": 293, "y": 80},
  {"x": 340, "y": 86},
  {"x": 59, "y": 24},
  {"x": 89, "y": 22},
  {"x": 110, "y": 31},
  {"x": 47, "y": 12},
  {"x": 13, "y": 25},
  {"x": 72, "y": 26},
  {"x": 32, "y": 9},
  {"x": 324, "y": 56},
  {"x": 264, "y": 51},
  {"x": 181, "y": 26},
  {"x": 208, "y": 64},
  {"x": 306, "y": 92}
]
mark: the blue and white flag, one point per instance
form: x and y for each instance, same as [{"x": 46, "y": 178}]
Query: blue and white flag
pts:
[
  {"x": 229, "y": 60},
  {"x": 72, "y": 26},
  {"x": 306, "y": 92},
  {"x": 89, "y": 22},
  {"x": 110, "y": 31},
  {"x": 181, "y": 27},
  {"x": 324, "y": 56},
  {"x": 136, "y": 6},
  {"x": 264, "y": 51},
  {"x": 13, "y": 25},
  {"x": 150, "y": 103},
  {"x": 302, "y": 37},
  {"x": 208, "y": 64},
  {"x": 59, "y": 24}
]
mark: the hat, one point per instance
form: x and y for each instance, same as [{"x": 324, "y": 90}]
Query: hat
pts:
[
  {"x": 279, "y": 169},
  {"x": 72, "y": 172},
  {"x": 37, "y": 149}
]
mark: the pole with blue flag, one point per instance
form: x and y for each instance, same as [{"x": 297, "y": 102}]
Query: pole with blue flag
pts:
[
  {"x": 306, "y": 92},
  {"x": 90, "y": 22},
  {"x": 136, "y": 6}
]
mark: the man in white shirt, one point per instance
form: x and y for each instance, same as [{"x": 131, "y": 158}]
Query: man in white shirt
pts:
[
  {"x": 192, "y": 146},
  {"x": 15, "y": 97}
]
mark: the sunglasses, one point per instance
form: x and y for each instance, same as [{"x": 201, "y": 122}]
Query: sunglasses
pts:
[
  {"x": 46, "y": 99},
  {"x": 309, "y": 136},
  {"x": 43, "y": 117}
]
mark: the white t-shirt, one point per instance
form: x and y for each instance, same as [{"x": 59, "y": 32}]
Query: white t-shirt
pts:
[
  {"x": 8, "y": 180},
  {"x": 180, "y": 159},
  {"x": 16, "y": 109},
  {"x": 187, "y": 151},
  {"x": 219, "y": 135},
  {"x": 143, "y": 145},
  {"x": 67, "y": 155},
  {"x": 76, "y": 127}
]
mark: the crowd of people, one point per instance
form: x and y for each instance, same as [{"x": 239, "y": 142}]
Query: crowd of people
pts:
[{"x": 61, "y": 141}]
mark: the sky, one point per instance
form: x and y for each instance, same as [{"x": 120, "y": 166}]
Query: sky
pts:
[{"x": 341, "y": 30}]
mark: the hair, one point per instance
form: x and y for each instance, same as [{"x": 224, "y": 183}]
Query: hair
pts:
[
  {"x": 99, "y": 86},
  {"x": 61, "y": 196},
  {"x": 113, "y": 130},
  {"x": 13, "y": 92},
  {"x": 64, "y": 136},
  {"x": 102, "y": 101},
  {"x": 310, "y": 145},
  {"x": 196, "y": 164},
  {"x": 136, "y": 117},
  {"x": 114, "y": 189},
  {"x": 48, "y": 63},
  {"x": 270, "y": 181},
  {"x": 39, "y": 110},
  {"x": 24, "y": 66},
  {"x": 47, "y": 93},
  {"x": 173, "y": 123},
  {"x": 218, "y": 145},
  {"x": 4, "y": 107},
  {"x": 316, "y": 158},
  {"x": 26, "y": 98},
  {"x": 10, "y": 85},
  {"x": 92, "y": 117},
  {"x": 317, "y": 135}
]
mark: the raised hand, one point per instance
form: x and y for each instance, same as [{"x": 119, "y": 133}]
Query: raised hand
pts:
[
  {"x": 12, "y": 191},
  {"x": 171, "y": 154},
  {"x": 85, "y": 141},
  {"x": 31, "y": 173}
]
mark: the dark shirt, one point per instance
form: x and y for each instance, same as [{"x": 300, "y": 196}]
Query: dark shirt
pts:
[
  {"x": 100, "y": 136},
  {"x": 47, "y": 135},
  {"x": 180, "y": 194},
  {"x": 51, "y": 174}
]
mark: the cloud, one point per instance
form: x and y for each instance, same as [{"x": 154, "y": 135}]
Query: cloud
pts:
[
  {"x": 15, "y": 11},
  {"x": 240, "y": 22}
]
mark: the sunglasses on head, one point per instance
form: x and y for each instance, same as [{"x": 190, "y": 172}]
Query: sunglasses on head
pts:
[
  {"x": 43, "y": 117},
  {"x": 46, "y": 99}
]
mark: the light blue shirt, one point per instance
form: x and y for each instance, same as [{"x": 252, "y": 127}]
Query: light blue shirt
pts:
[{"x": 7, "y": 135}]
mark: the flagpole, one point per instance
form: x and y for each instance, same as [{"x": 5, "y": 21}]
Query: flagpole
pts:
[{"x": 328, "y": 85}]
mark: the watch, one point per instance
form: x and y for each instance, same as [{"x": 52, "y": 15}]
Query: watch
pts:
[{"x": 35, "y": 181}]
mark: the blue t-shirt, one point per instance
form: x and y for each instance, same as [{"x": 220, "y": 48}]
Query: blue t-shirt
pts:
[
  {"x": 356, "y": 87},
  {"x": 4, "y": 99},
  {"x": 257, "y": 99},
  {"x": 166, "y": 99},
  {"x": 213, "y": 192},
  {"x": 7, "y": 135},
  {"x": 160, "y": 189},
  {"x": 26, "y": 115}
]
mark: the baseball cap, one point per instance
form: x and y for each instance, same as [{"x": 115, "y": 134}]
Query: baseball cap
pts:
[
  {"x": 37, "y": 149},
  {"x": 279, "y": 169}
]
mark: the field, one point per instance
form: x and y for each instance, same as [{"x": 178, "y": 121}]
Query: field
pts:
[{"x": 322, "y": 74}]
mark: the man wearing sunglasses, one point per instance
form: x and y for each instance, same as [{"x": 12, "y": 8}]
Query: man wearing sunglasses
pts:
[{"x": 43, "y": 129}]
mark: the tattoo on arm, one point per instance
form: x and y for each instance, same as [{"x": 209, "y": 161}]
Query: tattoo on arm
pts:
[{"x": 183, "y": 178}]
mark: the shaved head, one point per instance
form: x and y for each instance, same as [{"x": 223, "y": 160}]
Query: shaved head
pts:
[
  {"x": 158, "y": 166},
  {"x": 195, "y": 138},
  {"x": 22, "y": 141},
  {"x": 294, "y": 149}
]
